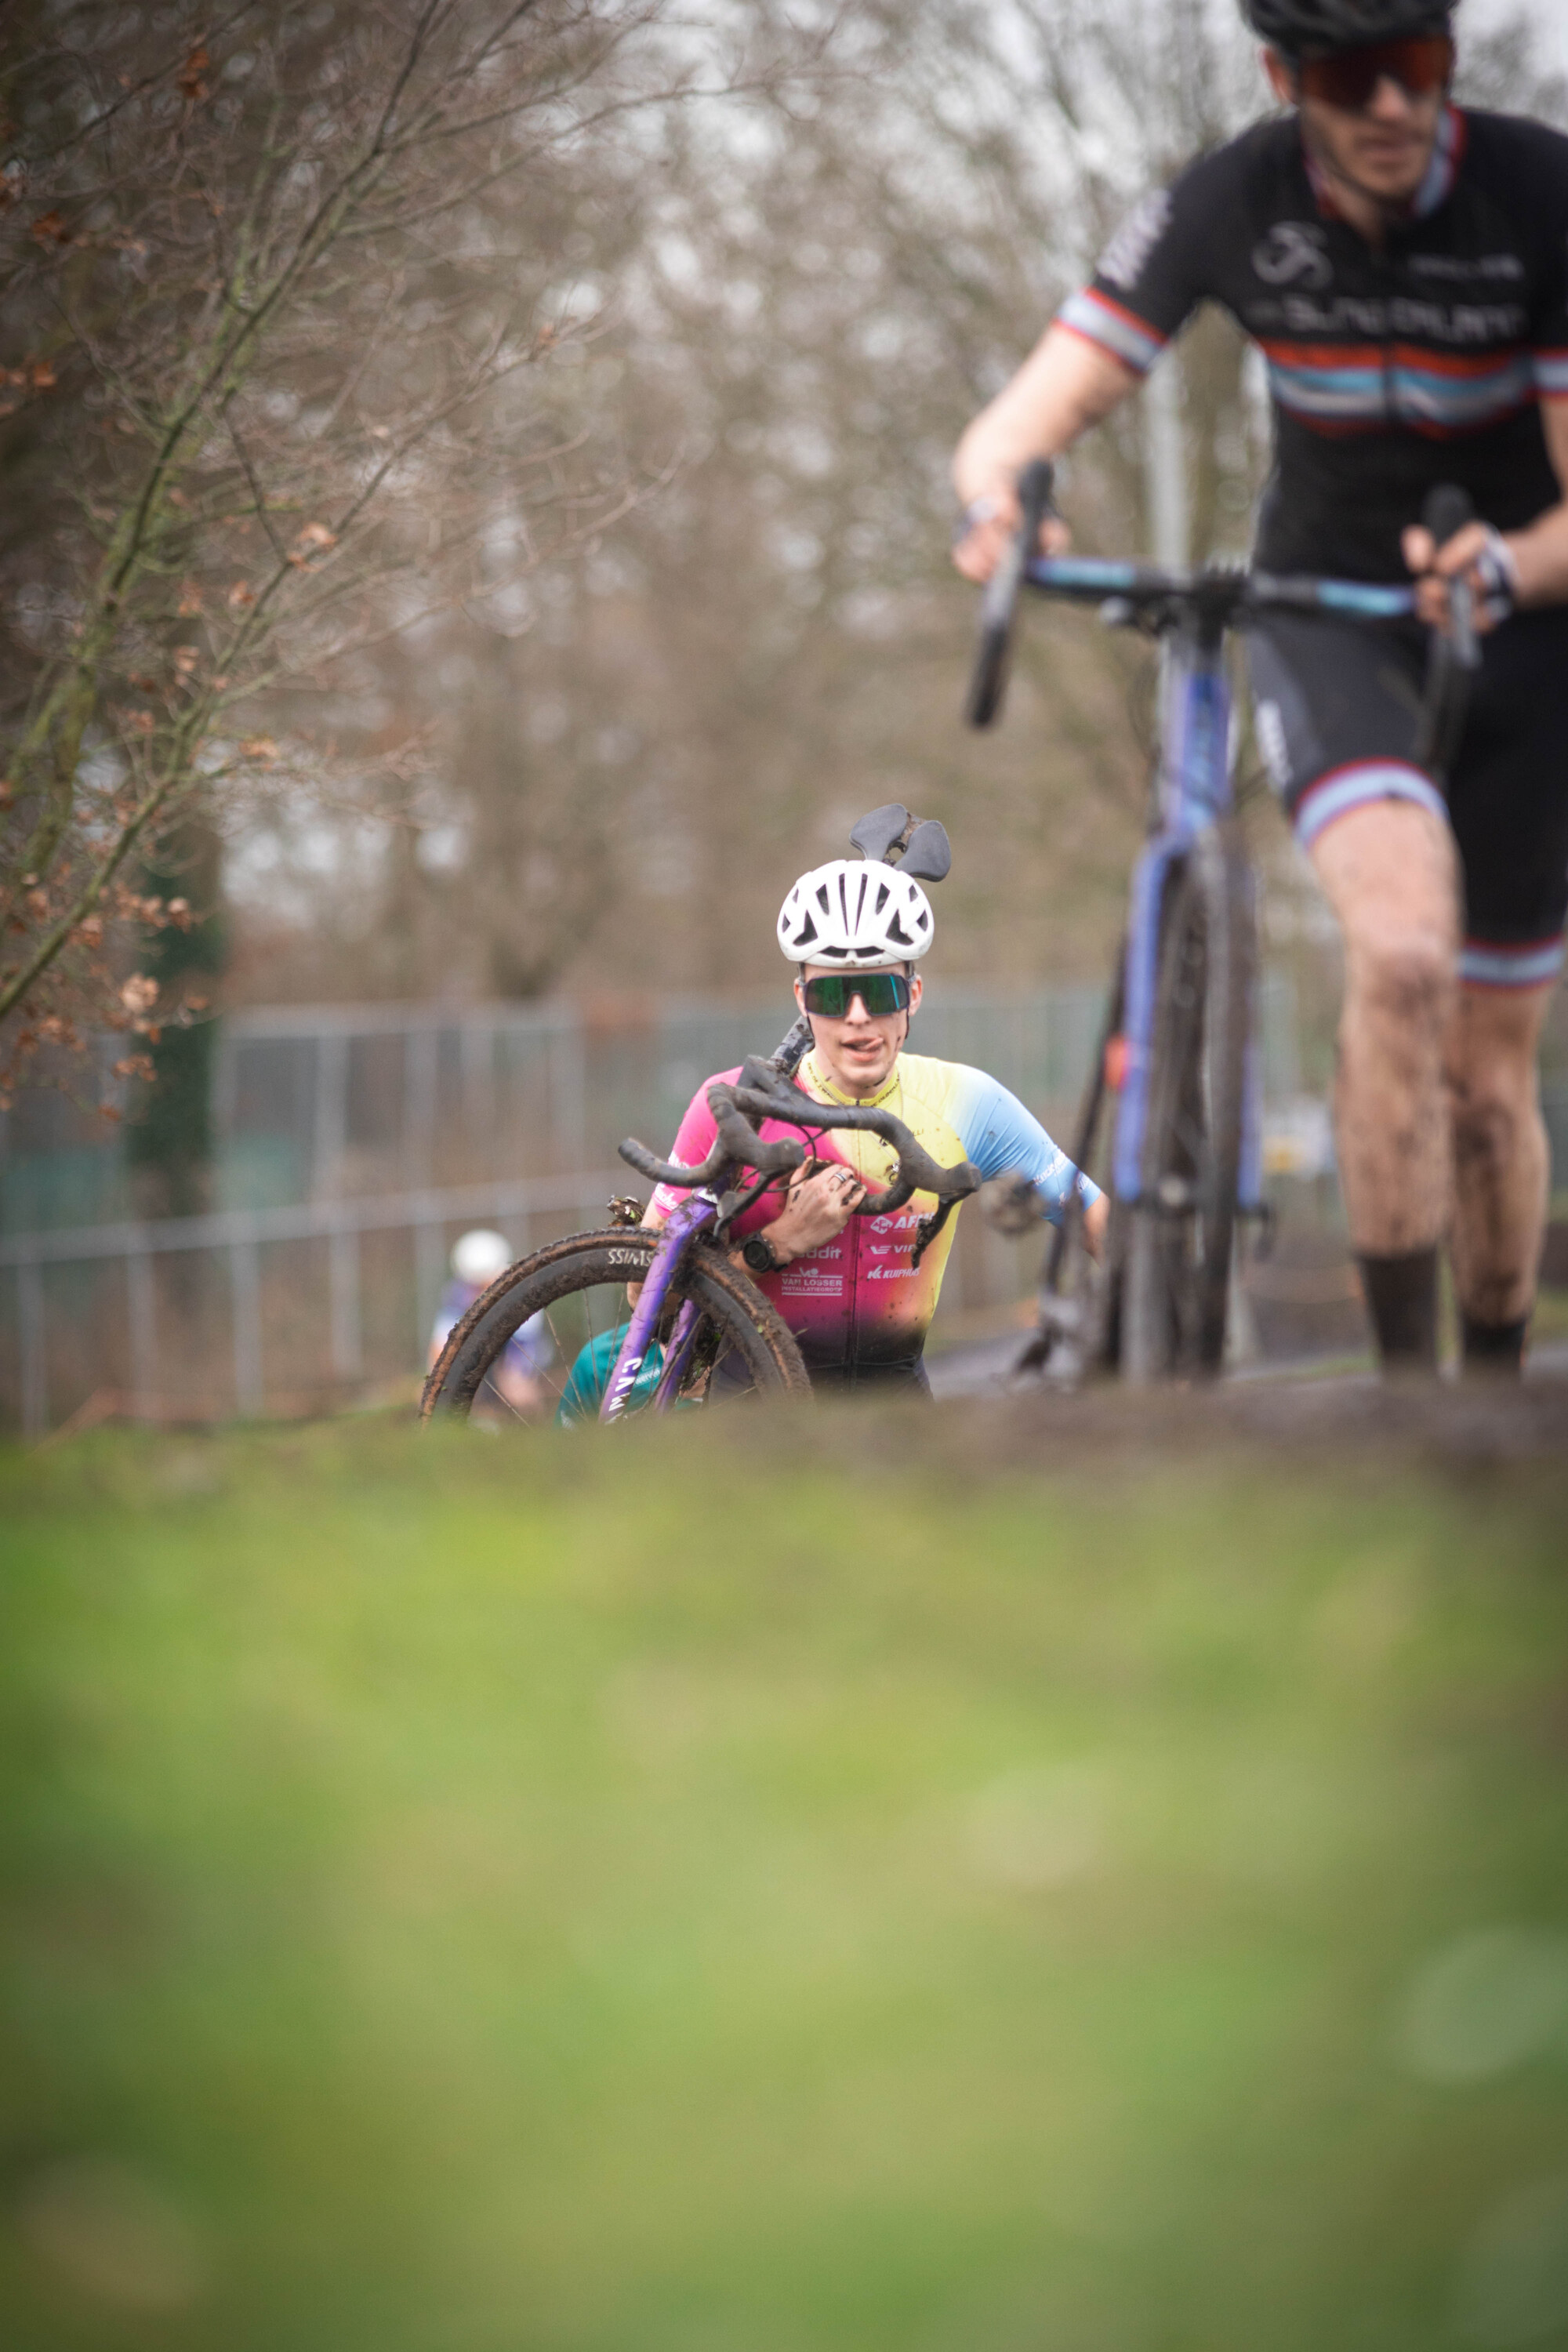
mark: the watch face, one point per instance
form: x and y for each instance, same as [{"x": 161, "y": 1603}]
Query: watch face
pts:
[{"x": 759, "y": 1255}]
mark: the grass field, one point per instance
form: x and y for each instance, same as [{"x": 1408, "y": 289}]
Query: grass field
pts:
[{"x": 568, "y": 1896}]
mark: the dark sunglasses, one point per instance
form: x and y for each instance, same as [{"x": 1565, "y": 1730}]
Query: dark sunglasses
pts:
[
  {"x": 1348, "y": 77},
  {"x": 830, "y": 993}
]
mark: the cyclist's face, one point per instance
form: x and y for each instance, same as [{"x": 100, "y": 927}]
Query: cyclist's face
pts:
[
  {"x": 1382, "y": 148},
  {"x": 859, "y": 1051}
]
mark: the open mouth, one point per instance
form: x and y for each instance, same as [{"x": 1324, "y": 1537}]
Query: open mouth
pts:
[{"x": 1393, "y": 150}]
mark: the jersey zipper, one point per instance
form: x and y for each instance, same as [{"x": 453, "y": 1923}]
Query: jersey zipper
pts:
[
  {"x": 895, "y": 1103},
  {"x": 1385, "y": 281}
]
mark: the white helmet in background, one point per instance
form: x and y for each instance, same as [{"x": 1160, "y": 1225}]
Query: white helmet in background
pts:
[
  {"x": 480, "y": 1257},
  {"x": 856, "y": 916}
]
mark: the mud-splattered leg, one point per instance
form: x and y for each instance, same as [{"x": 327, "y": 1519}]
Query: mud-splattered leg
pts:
[
  {"x": 1390, "y": 873},
  {"x": 1500, "y": 1166}
]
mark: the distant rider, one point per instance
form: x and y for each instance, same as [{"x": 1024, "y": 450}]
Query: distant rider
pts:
[{"x": 514, "y": 1378}]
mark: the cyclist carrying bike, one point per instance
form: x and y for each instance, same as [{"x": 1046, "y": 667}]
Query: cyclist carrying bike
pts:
[
  {"x": 1401, "y": 264},
  {"x": 848, "y": 1288}
]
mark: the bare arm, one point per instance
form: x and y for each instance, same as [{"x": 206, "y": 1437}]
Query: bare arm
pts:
[
  {"x": 1540, "y": 551},
  {"x": 1065, "y": 385}
]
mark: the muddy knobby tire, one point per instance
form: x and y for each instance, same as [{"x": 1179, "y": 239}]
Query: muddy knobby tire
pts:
[{"x": 744, "y": 1322}]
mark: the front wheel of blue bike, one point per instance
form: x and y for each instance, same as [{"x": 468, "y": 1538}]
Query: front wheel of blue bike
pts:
[
  {"x": 569, "y": 1300},
  {"x": 1179, "y": 1236}
]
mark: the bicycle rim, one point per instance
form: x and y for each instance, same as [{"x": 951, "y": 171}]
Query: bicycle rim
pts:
[
  {"x": 569, "y": 1300},
  {"x": 1180, "y": 1235}
]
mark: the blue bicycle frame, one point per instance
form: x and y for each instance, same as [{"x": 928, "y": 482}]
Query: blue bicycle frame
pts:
[{"x": 1193, "y": 793}]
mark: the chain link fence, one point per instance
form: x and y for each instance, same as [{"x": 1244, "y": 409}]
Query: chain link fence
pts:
[{"x": 353, "y": 1143}]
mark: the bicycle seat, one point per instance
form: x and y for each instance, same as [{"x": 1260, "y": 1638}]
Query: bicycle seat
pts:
[{"x": 881, "y": 829}]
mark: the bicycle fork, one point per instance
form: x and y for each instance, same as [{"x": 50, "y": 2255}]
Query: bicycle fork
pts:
[{"x": 691, "y": 1217}]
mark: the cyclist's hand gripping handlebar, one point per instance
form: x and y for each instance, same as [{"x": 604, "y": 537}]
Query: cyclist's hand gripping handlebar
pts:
[
  {"x": 988, "y": 685},
  {"x": 763, "y": 1093},
  {"x": 762, "y": 1096}
]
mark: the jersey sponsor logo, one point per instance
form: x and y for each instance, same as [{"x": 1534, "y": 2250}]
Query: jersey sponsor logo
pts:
[
  {"x": 1456, "y": 266},
  {"x": 1123, "y": 259},
  {"x": 1440, "y": 322},
  {"x": 1292, "y": 254}
]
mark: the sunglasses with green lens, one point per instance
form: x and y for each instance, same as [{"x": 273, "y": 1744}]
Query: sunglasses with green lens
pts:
[{"x": 831, "y": 993}]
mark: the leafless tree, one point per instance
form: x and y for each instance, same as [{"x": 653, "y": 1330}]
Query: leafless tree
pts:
[{"x": 289, "y": 323}]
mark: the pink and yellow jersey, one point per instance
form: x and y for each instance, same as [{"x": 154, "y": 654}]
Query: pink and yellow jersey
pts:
[{"x": 857, "y": 1306}]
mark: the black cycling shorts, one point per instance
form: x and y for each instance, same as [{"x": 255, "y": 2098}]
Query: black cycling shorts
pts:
[{"x": 1336, "y": 707}]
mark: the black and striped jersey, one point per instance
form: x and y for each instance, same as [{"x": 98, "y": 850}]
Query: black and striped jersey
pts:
[{"x": 1390, "y": 369}]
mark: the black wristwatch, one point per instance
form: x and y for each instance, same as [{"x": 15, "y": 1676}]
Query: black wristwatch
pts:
[{"x": 760, "y": 1256}]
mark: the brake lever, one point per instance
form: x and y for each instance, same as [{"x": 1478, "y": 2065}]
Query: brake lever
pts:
[
  {"x": 1455, "y": 655},
  {"x": 999, "y": 605}
]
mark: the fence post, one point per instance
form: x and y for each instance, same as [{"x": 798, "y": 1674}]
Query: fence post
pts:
[
  {"x": 568, "y": 1090},
  {"x": 329, "y": 1131},
  {"x": 421, "y": 1044},
  {"x": 34, "y": 1367},
  {"x": 142, "y": 1314},
  {"x": 225, "y": 1087},
  {"x": 343, "y": 1302},
  {"x": 245, "y": 1276},
  {"x": 479, "y": 1059},
  {"x": 429, "y": 1267}
]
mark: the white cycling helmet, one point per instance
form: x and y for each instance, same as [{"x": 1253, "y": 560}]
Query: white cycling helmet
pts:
[
  {"x": 480, "y": 1257},
  {"x": 856, "y": 916}
]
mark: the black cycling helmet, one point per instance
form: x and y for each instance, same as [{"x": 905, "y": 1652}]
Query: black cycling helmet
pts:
[{"x": 1294, "y": 26}]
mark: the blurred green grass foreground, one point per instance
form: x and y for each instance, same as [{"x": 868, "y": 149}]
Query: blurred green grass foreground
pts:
[{"x": 660, "y": 1896}]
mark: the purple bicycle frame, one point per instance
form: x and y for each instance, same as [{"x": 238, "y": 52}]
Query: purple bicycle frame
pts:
[{"x": 693, "y": 1215}]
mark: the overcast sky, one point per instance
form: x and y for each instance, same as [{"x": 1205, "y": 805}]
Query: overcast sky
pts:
[{"x": 1550, "y": 18}]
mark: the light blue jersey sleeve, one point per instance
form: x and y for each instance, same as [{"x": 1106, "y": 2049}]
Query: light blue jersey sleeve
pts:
[{"x": 1002, "y": 1139}]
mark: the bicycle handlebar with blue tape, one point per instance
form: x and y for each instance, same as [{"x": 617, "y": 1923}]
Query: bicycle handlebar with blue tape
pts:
[{"x": 1231, "y": 594}]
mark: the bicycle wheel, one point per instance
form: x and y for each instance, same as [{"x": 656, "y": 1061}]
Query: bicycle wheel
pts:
[
  {"x": 578, "y": 1287},
  {"x": 1180, "y": 1232}
]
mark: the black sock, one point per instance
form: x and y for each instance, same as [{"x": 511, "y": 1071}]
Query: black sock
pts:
[
  {"x": 1402, "y": 1298},
  {"x": 1493, "y": 1347}
]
